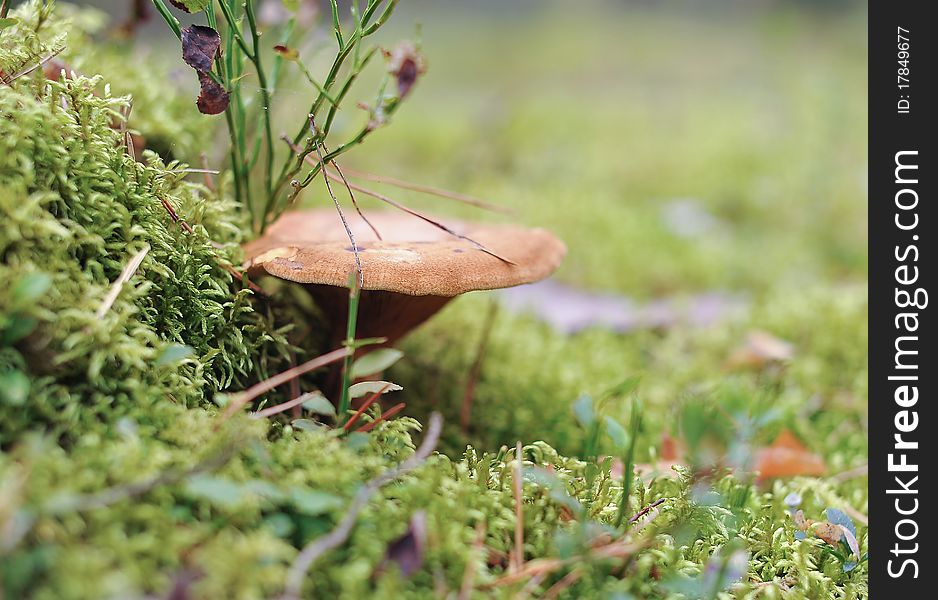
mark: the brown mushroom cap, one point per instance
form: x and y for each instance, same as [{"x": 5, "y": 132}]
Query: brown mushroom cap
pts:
[
  {"x": 414, "y": 258},
  {"x": 408, "y": 275}
]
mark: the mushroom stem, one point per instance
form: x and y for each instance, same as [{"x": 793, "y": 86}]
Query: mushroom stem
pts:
[{"x": 380, "y": 313}]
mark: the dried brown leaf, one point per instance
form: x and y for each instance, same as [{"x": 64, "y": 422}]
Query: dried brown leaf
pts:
[
  {"x": 406, "y": 64},
  {"x": 787, "y": 457},
  {"x": 213, "y": 99},
  {"x": 200, "y": 46}
]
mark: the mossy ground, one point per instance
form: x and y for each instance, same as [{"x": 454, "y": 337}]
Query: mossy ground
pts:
[{"x": 763, "y": 129}]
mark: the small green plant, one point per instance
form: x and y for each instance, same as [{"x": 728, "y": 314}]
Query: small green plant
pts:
[{"x": 228, "y": 49}]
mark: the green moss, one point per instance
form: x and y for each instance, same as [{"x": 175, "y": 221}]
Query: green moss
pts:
[{"x": 117, "y": 478}]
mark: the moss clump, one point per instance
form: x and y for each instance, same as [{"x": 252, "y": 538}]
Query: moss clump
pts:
[{"x": 76, "y": 208}]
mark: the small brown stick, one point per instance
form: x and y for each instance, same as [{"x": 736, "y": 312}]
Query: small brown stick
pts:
[
  {"x": 646, "y": 510},
  {"x": 412, "y": 212},
  {"x": 469, "y": 574},
  {"x": 565, "y": 582},
  {"x": 129, "y": 269},
  {"x": 354, "y": 201},
  {"x": 351, "y": 194},
  {"x": 41, "y": 62},
  {"x": 175, "y": 216},
  {"x": 465, "y": 413},
  {"x": 335, "y": 538},
  {"x": 384, "y": 417},
  {"x": 368, "y": 402},
  {"x": 351, "y": 186},
  {"x": 426, "y": 189},
  {"x": 282, "y": 407},
  {"x": 318, "y": 145},
  {"x": 517, "y": 559},
  {"x": 529, "y": 588},
  {"x": 544, "y": 566},
  {"x": 209, "y": 183},
  {"x": 262, "y": 387}
]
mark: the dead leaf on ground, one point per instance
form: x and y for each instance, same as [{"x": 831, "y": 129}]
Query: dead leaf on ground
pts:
[
  {"x": 787, "y": 457},
  {"x": 761, "y": 349}
]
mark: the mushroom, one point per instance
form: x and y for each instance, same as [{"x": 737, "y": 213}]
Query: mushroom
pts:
[{"x": 408, "y": 275}]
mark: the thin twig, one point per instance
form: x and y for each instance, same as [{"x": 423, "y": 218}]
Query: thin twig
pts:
[
  {"x": 412, "y": 212},
  {"x": 239, "y": 400},
  {"x": 465, "y": 413},
  {"x": 361, "y": 410},
  {"x": 384, "y": 417},
  {"x": 174, "y": 215},
  {"x": 565, "y": 582},
  {"x": 517, "y": 559},
  {"x": 41, "y": 62},
  {"x": 352, "y": 186},
  {"x": 282, "y": 407},
  {"x": 354, "y": 201},
  {"x": 430, "y": 190},
  {"x": 348, "y": 231},
  {"x": 335, "y": 538},
  {"x": 646, "y": 510},
  {"x": 129, "y": 269},
  {"x": 208, "y": 180},
  {"x": 351, "y": 194}
]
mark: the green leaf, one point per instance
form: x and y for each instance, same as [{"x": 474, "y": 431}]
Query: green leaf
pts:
[
  {"x": 372, "y": 387},
  {"x": 624, "y": 387},
  {"x": 14, "y": 388},
  {"x": 29, "y": 289},
  {"x": 8, "y": 22},
  {"x": 18, "y": 327},
  {"x": 216, "y": 490},
  {"x": 314, "y": 502},
  {"x": 620, "y": 438},
  {"x": 366, "y": 342},
  {"x": 583, "y": 411},
  {"x": 375, "y": 362},
  {"x": 306, "y": 425},
  {"x": 357, "y": 440},
  {"x": 318, "y": 404},
  {"x": 173, "y": 353},
  {"x": 190, "y": 6}
]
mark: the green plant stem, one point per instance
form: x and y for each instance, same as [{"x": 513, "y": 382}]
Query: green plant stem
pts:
[
  {"x": 235, "y": 29},
  {"x": 255, "y": 57},
  {"x": 168, "y": 17},
  {"x": 336, "y": 26},
  {"x": 628, "y": 463},
  {"x": 353, "y": 298}
]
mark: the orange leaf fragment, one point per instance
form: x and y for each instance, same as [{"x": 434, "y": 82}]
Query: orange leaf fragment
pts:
[{"x": 787, "y": 457}]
